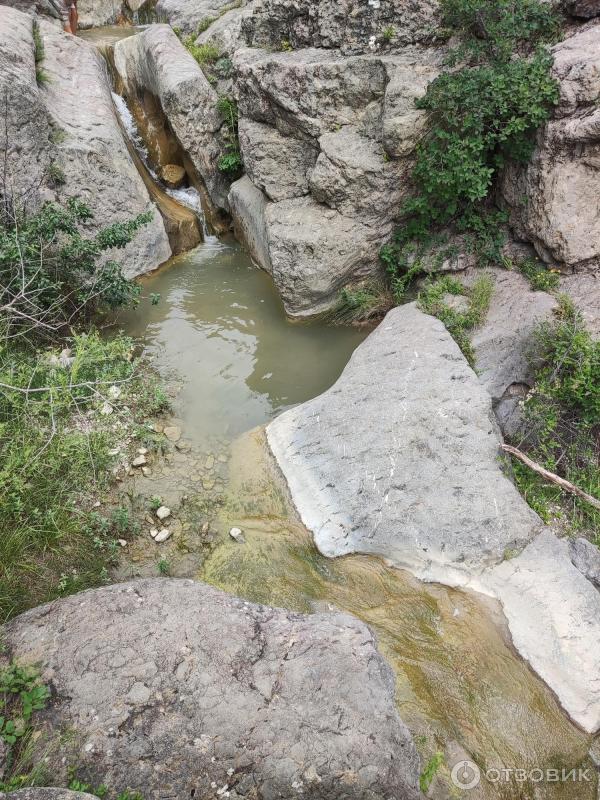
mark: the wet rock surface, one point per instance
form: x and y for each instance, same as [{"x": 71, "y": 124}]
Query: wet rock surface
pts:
[
  {"x": 181, "y": 708},
  {"x": 554, "y": 617},
  {"x": 407, "y": 466}
]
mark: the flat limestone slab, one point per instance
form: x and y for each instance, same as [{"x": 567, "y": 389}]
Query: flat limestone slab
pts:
[
  {"x": 553, "y": 613},
  {"x": 400, "y": 458}
]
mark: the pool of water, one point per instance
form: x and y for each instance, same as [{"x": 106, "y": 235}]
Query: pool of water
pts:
[
  {"x": 109, "y": 34},
  {"x": 220, "y": 328}
]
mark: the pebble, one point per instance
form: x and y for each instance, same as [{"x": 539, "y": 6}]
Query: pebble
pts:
[
  {"x": 154, "y": 532},
  {"x": 122, "y": 542},
  {"x": 173, "y": 433},
  {"x": 237, "y": 534},
  {"x": 146, "y": 472},
  {"x": 106, "y": 409},
  {"x": 209, "y": 463},
  {"x": 114, "y": 392},
  {"x": 162, "y": 535},
  {"x": 207, "y": 484},
  {"x": 183, "y": 447},
  {"x": 139, "y": 461},
  {"x": 142, "y": 451},
  {"x": 163, "y": 512}
]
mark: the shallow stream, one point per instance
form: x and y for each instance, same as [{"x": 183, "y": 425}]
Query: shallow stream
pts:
[{"x": 220, "y": 338}]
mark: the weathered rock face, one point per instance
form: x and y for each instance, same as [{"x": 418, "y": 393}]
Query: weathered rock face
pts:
[
  {"x": 405, "y": 467},
  {"x": 92, "y": 154},
  {"x": 586, "y": 557},
  {"x": 355, "y": 26},
  {"x": 188, "y": 14},
  {"x": 165, "y": 703},
  {"x": 94, "y": 13},
  {"x": 328, "y": 139},
  {"x": 586, "y": 9},
  {"x": 25, "y": 148},
  {"x": 155, "y": 63},
  {"x": 248, "y": 208},
  {"x": 554, "y": 618},
  {"x": 51, "y": 133},
  {"x": 554, "y": 200}
]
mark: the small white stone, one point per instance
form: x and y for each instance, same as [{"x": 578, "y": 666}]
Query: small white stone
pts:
[
  {"x": 139, "y": 461},
  {"x": 122, "y": 542},
  {"x": 114, "y": 392},
  {"x": 163, "y": 512},
  {"x": 97, "y": 504},
  {"x": 106, "y": 409},
  {"x": 142, "y": 451},
  {"x": 162, "y": 535},
  {"x": 237, "y": 534},
  {"x": 154, "y": 532}
]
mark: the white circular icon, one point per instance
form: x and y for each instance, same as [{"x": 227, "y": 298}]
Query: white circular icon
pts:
[{"x": 466, "y": 775}]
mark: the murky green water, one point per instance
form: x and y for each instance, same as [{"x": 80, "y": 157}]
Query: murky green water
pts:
[
  {"x": 221, "y": 328},
  {"x": 108, "y": 34}
]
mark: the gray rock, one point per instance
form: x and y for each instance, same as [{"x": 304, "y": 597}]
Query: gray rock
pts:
[
  {"x": 38, "y": 793},
  {"x": 178, "y": 708},
  {"x": 504, "y": 343},
  {"x": 353, "y": 25},
  {"x": 248, "y": 208},
  {"x": 553, "y": 614},
  {"x": 403, "y": 124},
  {"x": 314, "y": 252},
  {"x": 95, "y": 13},
  {"x": 156, "y": 62},
  {"x": 24, "y": 145},
  {"x": 188, "y": 14},
  {"x": 354, "y": 176},
  {"x": 309, "y": 92},
  {"x": 226, "y": 32},
  {"x": 584, "y": 291},
  {"x": 405, "y": 466},
  {"x": 93, "y": 154},
  {"x": 586, "y": 557},
  {"x": 584, "y": 8},
  {"x": 553, "y": 200},
  {"x": 278, "y": 165}
]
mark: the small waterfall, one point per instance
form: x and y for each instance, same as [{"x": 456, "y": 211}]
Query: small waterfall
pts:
[{"x": 188, "y": 196}]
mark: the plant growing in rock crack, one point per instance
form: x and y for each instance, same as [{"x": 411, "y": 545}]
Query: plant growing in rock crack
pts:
[
  {"x": 231, "y": 161},
  {"x": 38, "y": 54},
  {"x": 432, "y": 300},
  {"x": 483, "y": 112}
]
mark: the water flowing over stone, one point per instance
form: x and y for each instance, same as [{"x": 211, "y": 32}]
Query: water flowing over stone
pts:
[{"x": 227, "y": 694}]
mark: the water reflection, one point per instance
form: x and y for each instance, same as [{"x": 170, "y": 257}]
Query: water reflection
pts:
[{"x": 221, "y": 327}]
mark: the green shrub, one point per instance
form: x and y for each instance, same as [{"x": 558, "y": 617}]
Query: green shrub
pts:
[
  {"x": 562, "y": 418},
  {"x": 360, "y": 303},
  {"x": 539, "y": 276},
  {"x": 203, "y": 53},
  {"x": 482, "y": 114},
  {"x": 56, "y": 175},
  {"x": 49, "y": 273}
]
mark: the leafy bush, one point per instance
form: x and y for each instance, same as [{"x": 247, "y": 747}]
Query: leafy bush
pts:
[
  {"x": 203, "y": 53},
  {"x": 481, "y": 115},
  {"x": 539, "y": 276},
  {"x": 562, "y": 417},
  {"x": 49, "y": 273}
]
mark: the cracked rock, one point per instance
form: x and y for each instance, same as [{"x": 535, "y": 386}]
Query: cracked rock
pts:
[{"x": 257, "y": 709}]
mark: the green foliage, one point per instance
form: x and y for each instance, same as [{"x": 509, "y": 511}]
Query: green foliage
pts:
[
  {"x": 101, "y": 791},
  {"x": 482, "y": 114},
  {"x": 498, "y": 30},
  {"x": 55, "y": 174},
  {"x": 205, "y": 24},
  {"x": 163, "y": 567},
  {"x": 286, "y": 46},
  {"x": 432, "y": 300},
  {"x": 430, "y": 771},
  {"x": 562, "y": 418},
  {"x": 203, "y": 53},
  {"x": 230, "y": 161},
  {"x": 49, "y": 273},
  {"x": 388, "y": 33},
  {"x": 38, "y": 55},
  {"x": 539, "y": 276},
  {"x": 361, "y": 302},
  {"x": 21, "y": 693}
]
